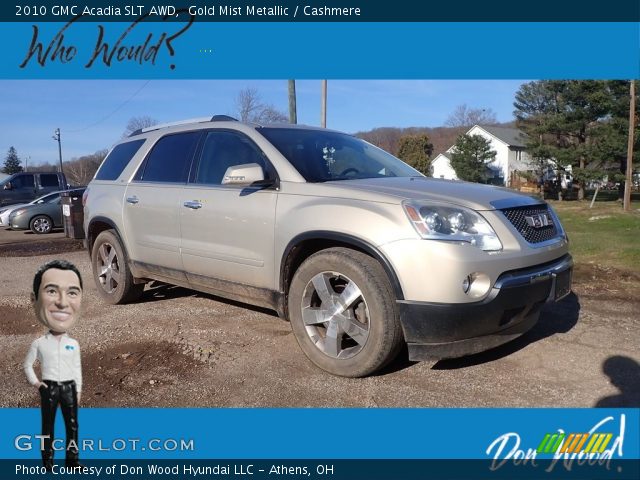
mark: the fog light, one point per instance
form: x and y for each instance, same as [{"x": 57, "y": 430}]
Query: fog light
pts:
[
  {"x": 476, "y": 284},
  {"x": 466, "y": 284}
]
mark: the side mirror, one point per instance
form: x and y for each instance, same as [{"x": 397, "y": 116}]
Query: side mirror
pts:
[
  {"x": 8, "y": 186},
  {"x": 243, "y": 174}
]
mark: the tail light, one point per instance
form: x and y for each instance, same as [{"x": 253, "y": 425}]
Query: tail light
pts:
[{"x": 84, "y": 197}]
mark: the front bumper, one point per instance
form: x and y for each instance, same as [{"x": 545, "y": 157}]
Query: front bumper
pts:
[
  {"x": 18, "y": 223},
  {"x": 436, "y": 330}
]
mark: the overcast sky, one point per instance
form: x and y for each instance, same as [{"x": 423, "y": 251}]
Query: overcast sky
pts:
[{"x": 93, "y": 114}]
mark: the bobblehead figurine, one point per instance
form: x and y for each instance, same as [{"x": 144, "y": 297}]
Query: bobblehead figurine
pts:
[{"x": 56, "y": 297}]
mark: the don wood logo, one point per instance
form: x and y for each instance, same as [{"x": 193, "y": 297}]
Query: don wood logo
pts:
[{"x": 594, "y": 447}]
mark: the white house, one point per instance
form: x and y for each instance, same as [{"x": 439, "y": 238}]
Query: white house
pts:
[
  {"x": 441, "y": 167},
  {"x": 511, "y": 155}
]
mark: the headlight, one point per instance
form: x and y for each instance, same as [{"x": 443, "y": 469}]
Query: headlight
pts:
[
  {"x": 456, "y": 224},
  {"x": 20, "y": 211}
]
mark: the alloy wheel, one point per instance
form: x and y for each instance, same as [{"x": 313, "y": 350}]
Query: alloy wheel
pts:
[
  {"x": 335, "y": 315},
  {"x": 108, "y": 268}
]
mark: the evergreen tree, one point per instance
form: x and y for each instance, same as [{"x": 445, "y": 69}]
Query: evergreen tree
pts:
[
  {"x": 416, "y": 151},
  {"x": 470, "y": 156},
  {"x": 612, "y": 134},
  {"x": 12, "y": 162},
  {"x": 563, "y": 119}
]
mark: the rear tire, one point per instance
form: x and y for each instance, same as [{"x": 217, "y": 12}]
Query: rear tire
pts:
[
  {"x": 343, "y": 313},
  {"x": 41, "y": 224},
  {"x": 111, "y": 270}
]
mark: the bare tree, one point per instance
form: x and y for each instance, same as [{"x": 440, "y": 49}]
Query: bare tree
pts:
[
  {"x": 386, "y": 138},
  {"x": 269, "y": 114},
  {"x": 137, "y": 123},
  {"x": 251, "y": 109},
  {"x": 45, "y": 167},
  {"x": 247, "y": 103},
  {"x": 464, "y": 116},
  {"x": 81, "y": 170}
]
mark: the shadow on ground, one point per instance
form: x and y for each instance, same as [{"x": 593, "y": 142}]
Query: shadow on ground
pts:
[{"x": 624, "y": 373}]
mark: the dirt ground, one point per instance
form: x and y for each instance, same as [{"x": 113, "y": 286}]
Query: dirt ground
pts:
[{"x": 180, "y": 348}]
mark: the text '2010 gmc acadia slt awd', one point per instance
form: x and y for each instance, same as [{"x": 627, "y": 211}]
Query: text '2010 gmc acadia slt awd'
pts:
[{"x": 358, "y": 250}]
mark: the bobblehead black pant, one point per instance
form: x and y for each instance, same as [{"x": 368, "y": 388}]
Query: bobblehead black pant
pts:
[{"x": 65, "y": 395}]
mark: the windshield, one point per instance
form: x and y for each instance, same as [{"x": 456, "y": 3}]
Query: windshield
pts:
[{"x": 322, "y": 156}]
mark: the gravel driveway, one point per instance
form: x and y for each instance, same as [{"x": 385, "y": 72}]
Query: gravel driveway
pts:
[{"x": 180, "y": 348}]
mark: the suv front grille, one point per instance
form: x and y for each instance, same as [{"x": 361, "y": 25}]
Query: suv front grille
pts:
[{"x": 535, "y": 223}]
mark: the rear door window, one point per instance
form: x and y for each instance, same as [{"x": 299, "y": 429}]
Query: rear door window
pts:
[
  {"x": 169, "y": 159},
  {"x": 48, "y": 180}
]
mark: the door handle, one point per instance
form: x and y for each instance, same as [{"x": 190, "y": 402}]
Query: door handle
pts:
[
  {"x": 193, "y": 204},
  {"x": 133, "y": 200}
]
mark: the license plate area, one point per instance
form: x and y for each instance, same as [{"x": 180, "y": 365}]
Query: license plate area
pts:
[{"x": 562, "y": 284}]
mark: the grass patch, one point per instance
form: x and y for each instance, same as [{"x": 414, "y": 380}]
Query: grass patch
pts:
[{"x": 604, "y": 235}]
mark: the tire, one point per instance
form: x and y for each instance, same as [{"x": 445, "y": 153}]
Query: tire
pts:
[
  {"x": 41, "y": 224},
  {"x": 111, "y": 270},
  {"x": 365, "y": 334}
]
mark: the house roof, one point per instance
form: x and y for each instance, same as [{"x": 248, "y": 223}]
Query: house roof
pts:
[{"x": 511, "y": 136}]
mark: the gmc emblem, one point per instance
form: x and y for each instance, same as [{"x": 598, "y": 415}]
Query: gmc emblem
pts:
[{"x": 539, "y": 220}]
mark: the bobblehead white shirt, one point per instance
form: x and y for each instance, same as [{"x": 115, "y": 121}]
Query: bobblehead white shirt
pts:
[
  {"x": 58, "y": 308},
  {"x": 59, "y": 357}
]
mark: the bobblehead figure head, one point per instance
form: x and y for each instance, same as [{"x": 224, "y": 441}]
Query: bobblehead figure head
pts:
[{"x": 57, "y": 295}]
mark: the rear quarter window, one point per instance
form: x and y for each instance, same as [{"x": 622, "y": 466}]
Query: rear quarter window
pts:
[{"x": 118, "y": 159}]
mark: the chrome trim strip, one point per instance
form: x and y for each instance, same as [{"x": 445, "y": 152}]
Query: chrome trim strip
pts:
[
  {"x": 528, "y": 276},
  {"x": 515, "y": 202}
]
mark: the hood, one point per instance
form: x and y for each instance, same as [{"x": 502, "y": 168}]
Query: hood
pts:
[
  {"x": 15, "y": 206},
  {"x": 471, "y": 195}
]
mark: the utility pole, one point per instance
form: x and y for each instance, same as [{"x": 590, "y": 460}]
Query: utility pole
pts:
[
  {"x": 293, "y": 114},
  {"x": 632, "y": 121},
  {"x": 56, "y": 137},
  {"x": 323, "y": 105}
]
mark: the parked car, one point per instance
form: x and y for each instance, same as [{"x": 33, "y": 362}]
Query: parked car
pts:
[
  {"x": 5, "y": 212},
  {"x": 41, "y": 217},
  {"x": 26, "y": 186},
  {"x": 358, "y": 250}
]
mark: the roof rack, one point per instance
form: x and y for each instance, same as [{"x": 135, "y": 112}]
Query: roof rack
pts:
[{"x": 215, "y": 118}]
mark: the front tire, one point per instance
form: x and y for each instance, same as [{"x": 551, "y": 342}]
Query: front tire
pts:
[
  {"x": 343, "y": 313},
  {"x": 111, "y": 270},
  {"x": 41, "y": 224}
]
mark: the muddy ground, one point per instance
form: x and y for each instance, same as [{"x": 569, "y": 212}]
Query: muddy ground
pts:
[{"x": 180, "y": 348}]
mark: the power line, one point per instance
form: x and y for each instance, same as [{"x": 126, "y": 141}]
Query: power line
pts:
[{"x": 112, "y": 112}]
